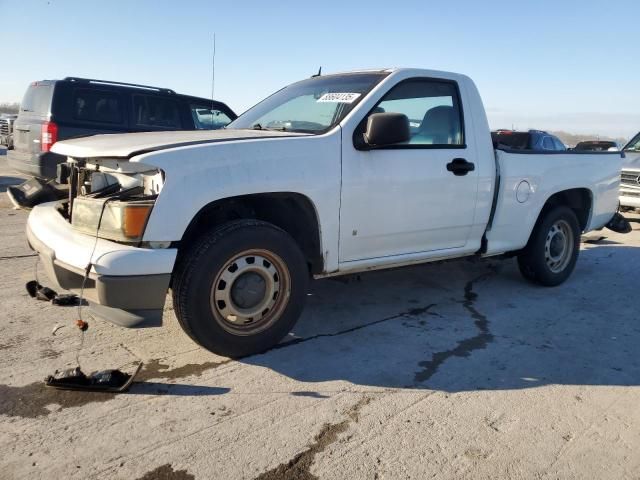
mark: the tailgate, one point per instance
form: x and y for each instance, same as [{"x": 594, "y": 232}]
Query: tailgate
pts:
[{"x": 26, "y": 135}]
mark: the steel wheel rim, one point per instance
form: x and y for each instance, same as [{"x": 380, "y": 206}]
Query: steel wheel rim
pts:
[
  {"x": 558, "y": 246},
  {"x": 243, "y": 305}
]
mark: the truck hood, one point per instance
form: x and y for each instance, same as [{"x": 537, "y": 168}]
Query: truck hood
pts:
[{"x": 126, "y": 145}]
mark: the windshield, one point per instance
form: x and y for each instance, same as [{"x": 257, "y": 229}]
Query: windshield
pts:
[
  {"x": 634, "y": 144},
  {"x": 314, "y": 105}
]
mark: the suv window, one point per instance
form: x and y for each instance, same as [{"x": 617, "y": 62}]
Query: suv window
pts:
[
  {"x": 97, "y": 106},
  {"x": 37, "y": 99},
  {"x": 547, "y": 143},
  {"x": 159, "y": 112},
  {"x": 511, "y": 140},
  {"x": 558, "y": 144},
  {"x": 207, "y": 118},
  {"x": 433, "y": 109}
]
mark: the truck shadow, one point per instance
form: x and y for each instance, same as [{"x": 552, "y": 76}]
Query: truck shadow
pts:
[{"x": 470, "y": 325}]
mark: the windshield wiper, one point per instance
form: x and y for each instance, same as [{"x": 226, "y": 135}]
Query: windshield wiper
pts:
[{"x": 257, "y": 126}]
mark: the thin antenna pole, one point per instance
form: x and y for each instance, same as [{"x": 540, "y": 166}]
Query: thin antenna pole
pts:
[{"x": 213, "y": 69}]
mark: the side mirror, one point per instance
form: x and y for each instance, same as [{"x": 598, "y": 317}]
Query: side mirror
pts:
[{"x": 386, "y": 129}]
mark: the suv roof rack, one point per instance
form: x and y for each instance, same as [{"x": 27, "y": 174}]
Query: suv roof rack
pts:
[{"x": 123, "y": 84}]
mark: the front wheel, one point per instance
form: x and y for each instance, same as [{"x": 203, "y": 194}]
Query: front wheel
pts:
[
  {"x": 241, "y": 288},
  {"x": 552, "y": 251}
]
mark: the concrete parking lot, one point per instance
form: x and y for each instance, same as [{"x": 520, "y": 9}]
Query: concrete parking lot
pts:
[{"x": 454, "y": 370}]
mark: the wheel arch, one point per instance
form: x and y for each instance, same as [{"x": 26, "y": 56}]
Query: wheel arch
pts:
[
  {"x": 293, "y": 212},
  {"x": 580, "y": 200}
]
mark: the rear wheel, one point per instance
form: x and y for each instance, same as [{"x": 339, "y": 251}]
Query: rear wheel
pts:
[
  {"x": 551, "y": 254},
  {"x": 241, "y": 288}
]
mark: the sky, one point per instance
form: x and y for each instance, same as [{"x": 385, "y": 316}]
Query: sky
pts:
[{"x": 555, "y": 65}]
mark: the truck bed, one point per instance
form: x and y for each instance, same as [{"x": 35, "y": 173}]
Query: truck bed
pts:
[{"x": 525, "y": 180}]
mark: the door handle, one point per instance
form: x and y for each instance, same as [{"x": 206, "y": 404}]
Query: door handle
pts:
[{"x": 460, "y": 167}]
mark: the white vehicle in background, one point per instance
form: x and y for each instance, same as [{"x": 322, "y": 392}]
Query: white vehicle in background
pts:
[
  {"x": 6, "y": 129},
  {"x": 630, "y": 179},
  {"x": 332, "y": 175}
]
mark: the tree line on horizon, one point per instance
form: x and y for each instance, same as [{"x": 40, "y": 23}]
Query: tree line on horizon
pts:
[{"x": 7, "y": 107}]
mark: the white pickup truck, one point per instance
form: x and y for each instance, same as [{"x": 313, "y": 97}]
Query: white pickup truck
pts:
[{"x": 332, "y": 175}]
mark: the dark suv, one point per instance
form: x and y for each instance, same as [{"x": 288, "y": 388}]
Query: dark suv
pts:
[
  {"x": 55, "y": 110},
  {"x": 536, "y": 140}
]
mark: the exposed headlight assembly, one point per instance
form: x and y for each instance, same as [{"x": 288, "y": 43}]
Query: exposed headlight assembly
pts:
[{"x": 122, "y": 220}]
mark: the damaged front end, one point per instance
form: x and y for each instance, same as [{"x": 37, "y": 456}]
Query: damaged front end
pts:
[
  {"x": 111, "y": 199},
  {"x": 91, "y": 242}
]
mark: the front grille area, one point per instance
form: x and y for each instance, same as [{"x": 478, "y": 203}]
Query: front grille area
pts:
[
  {"x": 630, "y": 178},
  {"x": 628, "y": 193},
  {"x": 4, "y": 126}
]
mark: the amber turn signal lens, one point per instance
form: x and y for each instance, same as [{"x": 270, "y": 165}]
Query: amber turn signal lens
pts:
[{"x": 134, "y": 220}]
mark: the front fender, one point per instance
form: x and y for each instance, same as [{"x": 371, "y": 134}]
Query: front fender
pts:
[{"x": 198, "y": 175}]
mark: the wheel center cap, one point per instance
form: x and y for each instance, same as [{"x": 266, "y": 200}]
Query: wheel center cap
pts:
[
  {"x": 248, "y": 290},
  {"x": 557, "y": 245}
]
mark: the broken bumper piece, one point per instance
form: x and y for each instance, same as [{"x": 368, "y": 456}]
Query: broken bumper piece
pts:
[{"x": 619, "y": 224}]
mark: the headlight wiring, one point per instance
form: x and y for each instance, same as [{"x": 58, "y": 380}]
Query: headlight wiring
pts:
[{"x": 81, "y": 323}]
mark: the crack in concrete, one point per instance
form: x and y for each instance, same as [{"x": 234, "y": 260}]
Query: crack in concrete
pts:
[
  {"x": 299, "y": 467},
  {"x": 166, "y": 472},
  {"x": 11, "y": 257},
  {"x": 465, "y": 347},
  {"x": 412, "y": 312}
]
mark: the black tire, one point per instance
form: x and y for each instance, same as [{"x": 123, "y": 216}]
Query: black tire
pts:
[
  {"x": 275, "y": 277},
  {"x": 537, "y": 262}
]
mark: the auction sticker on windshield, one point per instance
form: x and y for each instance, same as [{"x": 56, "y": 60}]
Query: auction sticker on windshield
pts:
[{"x": 337, "y": 97}]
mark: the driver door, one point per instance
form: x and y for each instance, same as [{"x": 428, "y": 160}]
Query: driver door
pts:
[{"x": 404, "y": 198}]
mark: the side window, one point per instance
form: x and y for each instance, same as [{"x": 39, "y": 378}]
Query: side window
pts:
[
  {"x": 207, "y": 118},
  {"x": 433, "y": 109},
  {"x": 547, "y": 143},
  {"x": 155, "y": 112},
  {"x": 559, "y": 145},
  {"x": 97, "y": 106}
]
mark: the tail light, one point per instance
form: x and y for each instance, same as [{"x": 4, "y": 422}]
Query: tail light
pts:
[{"x": 49, "y": 136}]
